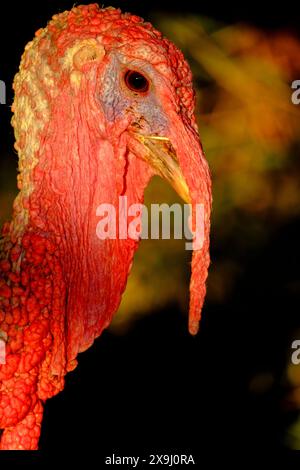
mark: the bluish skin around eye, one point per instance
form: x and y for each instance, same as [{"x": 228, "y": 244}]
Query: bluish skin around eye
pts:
[{"x": 118, "y": 101}]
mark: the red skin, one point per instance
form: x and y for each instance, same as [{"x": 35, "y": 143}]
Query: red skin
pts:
[{"x": 59, "y": 284}]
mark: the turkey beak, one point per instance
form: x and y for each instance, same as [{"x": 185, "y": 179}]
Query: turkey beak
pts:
[
  {"x": 161, "y": 156},
  {"x": 179, "y": 159}
]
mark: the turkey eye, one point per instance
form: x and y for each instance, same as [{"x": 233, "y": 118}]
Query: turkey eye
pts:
[{"x": 135, "y": 81}]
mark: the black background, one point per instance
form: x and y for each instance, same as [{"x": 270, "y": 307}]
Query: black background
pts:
[{"x": 157, "y": 389}]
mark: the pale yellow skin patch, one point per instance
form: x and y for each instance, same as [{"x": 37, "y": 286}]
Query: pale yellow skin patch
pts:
[
  {"x": 77, "y": 57},
  {"x": 90, "y": 51}
]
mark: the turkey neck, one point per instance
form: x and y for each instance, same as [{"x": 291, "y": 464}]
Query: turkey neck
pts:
[{"x": 78, "y": 168}]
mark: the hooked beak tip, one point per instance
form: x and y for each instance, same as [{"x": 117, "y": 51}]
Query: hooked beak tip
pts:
[{"x": 160, "y": 154}]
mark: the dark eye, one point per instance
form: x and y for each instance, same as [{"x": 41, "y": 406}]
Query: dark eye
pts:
[{"x": 135, "y": 81}]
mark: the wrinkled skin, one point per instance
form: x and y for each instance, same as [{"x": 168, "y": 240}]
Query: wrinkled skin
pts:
[{"x": 75, "y": 123}]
